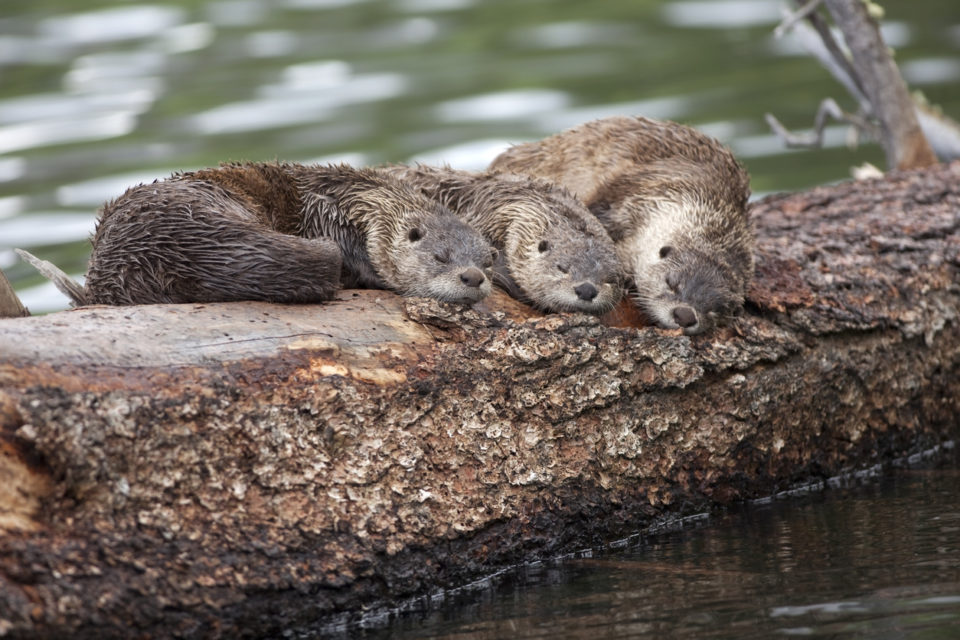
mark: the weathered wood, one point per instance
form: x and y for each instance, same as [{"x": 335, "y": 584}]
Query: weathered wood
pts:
[
  {"x": 239, "y": 469},
  {"x": 902, "y": 139},
  {"x": 10, "y": 305}
]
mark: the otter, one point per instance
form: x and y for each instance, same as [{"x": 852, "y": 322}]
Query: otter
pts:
[
  {"x": 279, "y": 232},
  {"x": 554, "y": 254},
  {"x": 674, "y": 202}
]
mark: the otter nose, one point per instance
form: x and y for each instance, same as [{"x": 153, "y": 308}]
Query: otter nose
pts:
[
  {"x": 685, "y": 316},
  {"x": 472, "y": 277},
  {"x": 586, "y": 291}
]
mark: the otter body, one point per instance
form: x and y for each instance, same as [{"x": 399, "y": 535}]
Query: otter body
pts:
[
  {"x": 282, "y": 233},
  {"x": 673, "y": 200},
  {"x": 555, "y": 255}
]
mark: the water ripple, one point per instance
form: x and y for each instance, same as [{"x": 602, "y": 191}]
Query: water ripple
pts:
[
  {"x": 111, "y": 25},
  {"x": 503, "y": 105}
]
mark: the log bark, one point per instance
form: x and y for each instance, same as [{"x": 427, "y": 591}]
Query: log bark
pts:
[{"x": 235, "y": 470}]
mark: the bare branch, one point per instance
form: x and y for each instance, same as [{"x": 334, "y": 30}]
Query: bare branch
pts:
[
  {"x": 903, "y": 141},
  {"x": 797, "y": 16},
  {"x": 828, "y": 108}
]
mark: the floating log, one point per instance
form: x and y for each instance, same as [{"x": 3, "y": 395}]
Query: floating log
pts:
[{"x": 234, "y": 470}]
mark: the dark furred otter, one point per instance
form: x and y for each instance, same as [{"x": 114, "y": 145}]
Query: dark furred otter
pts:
[
  {"x": 281, "y": 233},
  {"x": 673, "y": 200},
  {"x": 556, "y": 256}
]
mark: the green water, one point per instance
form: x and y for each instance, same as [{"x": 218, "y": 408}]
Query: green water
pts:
[{"x": 100, "y": 95}]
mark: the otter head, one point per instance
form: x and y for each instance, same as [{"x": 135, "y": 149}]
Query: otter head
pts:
[
  {"x": 439, "y": 256},
  {"x": 565, "y": 268},
  {"x": 685, "y": 286}
]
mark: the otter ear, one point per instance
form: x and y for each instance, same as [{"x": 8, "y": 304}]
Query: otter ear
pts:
[
  {"x": 414, "y": 234},
  {"x": 665, "y": 251},
  {"x": 544, "y": 246}
]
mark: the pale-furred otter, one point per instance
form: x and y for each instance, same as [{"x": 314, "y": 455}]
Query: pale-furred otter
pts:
[
  {"x": 278, "y": 232},
  {"x": 555, "y": 255},
  {"x": 673, "y": 200}
]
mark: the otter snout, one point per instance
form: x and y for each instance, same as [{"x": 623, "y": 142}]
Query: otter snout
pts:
[
  {"x": 684, "y": 316},
  {"x": 472, "y": 277},
  {"x": 586, "y": 291}
]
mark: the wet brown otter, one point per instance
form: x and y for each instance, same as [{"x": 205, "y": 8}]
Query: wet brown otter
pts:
[
  {"x": 673, "y": 200},
  {"x": 282, "y": 233},
  {"x": 556, "y": 256}
]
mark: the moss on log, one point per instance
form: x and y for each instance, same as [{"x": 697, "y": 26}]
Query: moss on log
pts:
[{"x": 238, "y": 469}]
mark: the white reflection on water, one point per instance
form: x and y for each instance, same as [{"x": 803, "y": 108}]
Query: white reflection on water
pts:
[
  {"x": 405, "y": 32},
  {"x": 187, "y": 37},
  {"x": 11, "y": 206},
  {"x": 93, "y": 193},
  {"x": 931, "y": 70},
  {"x": 426, "y": 6},
  {"x": 319, "y": 4},
  {"x": 12, "y": 169},
  {"x": 351, "y": 158},
  {"x": 720, "y": 14},
  {"x": 45, "y": 298},
  {"x": 56, "y": 106},
  {"x": 565, "y": 35},
  {"x": 120, "y": 73},
  {"x": 503, "y": 105},
  {"x": 40, "y": 228},
  {"x": 474, "y": 155},
  {"x": 30, "y": 50},
  {"x": 306, "y": 93},
  {"x": 111, "y": 25},
  {"x": 669, "y": 108},
  {"x": 39, "y": 134}
]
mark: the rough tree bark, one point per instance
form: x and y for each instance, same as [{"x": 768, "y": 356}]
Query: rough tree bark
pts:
[{"x": 239, "y": 469}]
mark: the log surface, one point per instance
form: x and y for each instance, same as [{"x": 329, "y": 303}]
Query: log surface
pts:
[{"x": 235, "y": 470}]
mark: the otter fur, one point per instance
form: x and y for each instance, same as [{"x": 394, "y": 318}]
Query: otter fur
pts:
[
  {"x": 278, "y": 232},
  {"x": 673, "y": 200},
  {"x": 555, "y": 255}
]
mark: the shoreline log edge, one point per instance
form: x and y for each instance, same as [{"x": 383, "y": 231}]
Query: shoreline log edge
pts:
[{"x": 235, "y": 470}]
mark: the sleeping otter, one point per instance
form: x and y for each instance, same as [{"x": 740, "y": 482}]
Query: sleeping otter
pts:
[
  {"x": 278, "y": 232},
  {"x": 673, "y": 200}
]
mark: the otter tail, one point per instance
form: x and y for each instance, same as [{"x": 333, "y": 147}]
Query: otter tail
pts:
[{"x": 67, "y": 285}]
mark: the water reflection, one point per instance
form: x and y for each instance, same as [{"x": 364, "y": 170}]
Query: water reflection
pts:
[
  {"x": 871, "y": 562},
  {"x": 722, "y": 13},
  {"x": 506, "y": 105},
  {"x": 111, "y": 25}
]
